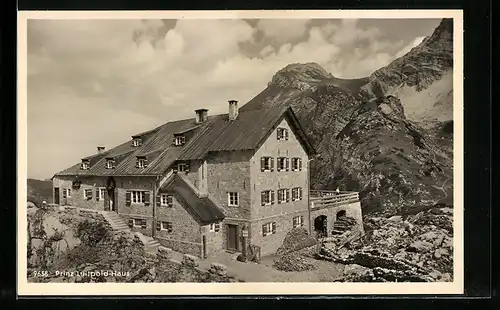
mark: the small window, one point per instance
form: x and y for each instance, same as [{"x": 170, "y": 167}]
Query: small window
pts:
[
  {"x": 268, "y": 229},
  {"x": 69, "y": 192},
  {"x": 282, "y": 134},
  {"x": 296, "y": 193},
  {"x": 166, "y": 226},
  {"x": 267, "y": 198},
  {"x": 283, "y": 195},
  {"x": 179, "y": 140},
  {"x": 85, "y": 165},
  {"x": 138, "y": 222},
  {"x": 141, "y": 162},
  {"x": 136, "y": 142},
  {"x": 214, "y": 227},
  {"x": 64, "y": 195},
  {"x": 296, "y": 164},
  {"x": 110, "y": 163},
  {"x": 137, "y": 197},
  {"x": 102, "y": 192},
  {"x": 88, "y": 194},
  {"x": 266, "y": 164},
  {"x": 298, "y": 221},
  {"x": 282, "y": 164},
  {"x": 182, "y": 167},
  {"x": 232, "y": 199},
  {"x": 166, "y": 200}
]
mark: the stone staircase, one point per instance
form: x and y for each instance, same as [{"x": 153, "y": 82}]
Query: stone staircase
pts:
[
  {"x": 150, "y": 244},
  {"x": 117, "y": 222}
]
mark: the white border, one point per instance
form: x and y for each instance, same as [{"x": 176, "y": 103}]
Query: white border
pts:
[{"x": 125, "y": 289}]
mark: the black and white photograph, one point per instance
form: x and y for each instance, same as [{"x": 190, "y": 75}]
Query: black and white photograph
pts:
[{"x": 231, "y": 148}]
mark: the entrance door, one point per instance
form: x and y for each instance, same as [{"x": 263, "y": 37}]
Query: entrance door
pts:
[
  {"x": 232, "y": 237},
  {"x": 56, "y": 195},
  {"x": 111, "y": 200}
]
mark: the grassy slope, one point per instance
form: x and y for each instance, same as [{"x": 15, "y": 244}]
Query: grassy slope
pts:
[{"x": 39, "y": 190}]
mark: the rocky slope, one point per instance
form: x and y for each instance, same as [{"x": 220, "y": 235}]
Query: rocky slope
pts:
[{"x": 394, "y": 151}]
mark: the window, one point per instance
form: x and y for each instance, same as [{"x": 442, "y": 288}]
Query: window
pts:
[
  {"x": 85, "y": 165},
  {"x": 69, "y": 192},
  {"x": 283, "y": 195},
  {"x": 64, "y": 195},
  {"x": 266, "y": 164},
  {"x": 166, "y": 200},
  {"x": 110, "y": 163},
  {"x": 214, "y": 227},
  {"x": 296, "y": 164},
  {"x": 232, "y": 199},
  {"x": 179, "y": 140},
  {"x": 298, "y": 221},
  {"x": 88, "y": 194},
  {"x": 296, "y": 193},
  {"x": 267, "y": 198},
  {"x": 137, "y": 197},
  {"x": 136, "y": 142},
  {"x": 138, "y": 222},
  {"x": 166, "y": 226},
  {"x": 282, "y": 134},
  {"x": 182, "y": 167},
  {"x": 282, "y": 164},
  {"x": 141, "y": 162},
  {"x": 268, "y": 229},
  {"x": 102, "y": 192}
]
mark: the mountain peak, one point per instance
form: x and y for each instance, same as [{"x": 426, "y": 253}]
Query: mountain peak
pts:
[{"x": 300, "y": 75}]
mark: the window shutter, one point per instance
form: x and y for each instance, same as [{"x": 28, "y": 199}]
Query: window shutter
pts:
[
  {"x": 262, "y": 163},
  {"x": 278, "y": 132},
  {"x": 272, "y": 197},
  {"x": 301, "y": 220},
  {"x": 127, "y": 199},
  {"x": 300, "y": 164},
  {"x": 97, "y": 194},
  {"x": 169, "y": 227},
  {"x": 144, "y": 224},
  {"x": 272, "y": 163},
  {"x": 262, "y": 198},
  {"x": 187, "y": 167},
  {"x": 81, "y": 166},
  {"x": 158, "y": 225},
  {"x": 175, "y": 169},
  {"x": 286, "y": 134},
  {"x": 279, "y": 199},
  {"x": 145, "y": 162},
  {"x": 264, "y": 230},
  {"x": 158, "y": 201},
  {"x": 287, "y": 163},
  {"x": 183, "y": 139},
  {"x": 91, "y": 193},
  {"x": 137, "y": 163},
  {"x": 300, "y": 193},
  {"x": 274, "y": 227},
  {"x": 173, "y": 140},
  {"x": 170, "y": 200},
  {"x": 147, "y": 198},
  {"x": 217, "y": 227},
  {"x": 130, "y": 222},
  {"x": 287, "y": 191}
]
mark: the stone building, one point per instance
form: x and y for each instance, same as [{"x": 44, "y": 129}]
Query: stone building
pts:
[{"x": 193, "y": 184}]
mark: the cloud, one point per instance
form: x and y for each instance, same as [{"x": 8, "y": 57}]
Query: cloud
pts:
[
  {"x": 283, "y": 30},
  {"x": 408, "y": 47}
]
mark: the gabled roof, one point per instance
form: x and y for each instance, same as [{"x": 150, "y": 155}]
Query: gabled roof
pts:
[
  {"x": 203, "y": 209},
  {"x": 217, "y": 133}
]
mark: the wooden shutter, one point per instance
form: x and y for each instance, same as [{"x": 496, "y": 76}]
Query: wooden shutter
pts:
[
  {"x": 170, "y": 200},
  {"x": 169, "y": 227},
  {"x": 279, "y": 191},
  {"x": 287, "y": 163},
  {"x": 272, "y": 163},
  {"x": 187, "y": 168},
  {"x": 300, "y": 164},
  {"x": 97, "y": 194},
  {"x": 147, "y": 198},
  {"x": 158, "y": 200},
  {"x": 145, "y": 162},
  {"x": 272, "y": 197},
  {"x": 144, "y": 224},
  {"x": 173, "y": 140},
  {"x": 286, "y": 134},
  {"x": 158, "y": 225},
  {"x": 130, "y": 222},
  {"x": 273, "y": 225},
  {"x": 300, "y": 193},
  {"x": 262, "y": 198},
  {"x": 278, "y": 133},
  {"x": 217, "y": 227},
  {"x": 287, "y": 192},
  {"x": 301, "y": 220},
  {"x": 262, "y": 163},
  {"x": 264, "y": 229},
  {"x": 127, "y": 199},
  {"x": 278, "y": 168},
  {"x": 91, "y": 193}
]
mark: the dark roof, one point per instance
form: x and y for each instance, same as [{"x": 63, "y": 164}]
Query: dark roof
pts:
[
  {"x": 217, "y": 133},
  {"x": 205, "y": 210}
]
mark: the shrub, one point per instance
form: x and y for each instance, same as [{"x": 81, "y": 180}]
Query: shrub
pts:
[{"x": 91, "y": 232}]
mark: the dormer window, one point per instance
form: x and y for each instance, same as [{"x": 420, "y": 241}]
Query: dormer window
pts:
[
  {"x": 282, "y": 134},
  {"x": 136, "y": 141},
  {"x": 141, "y": 162},
  {"x": 110, "y": 163},
  {"x": 85, "y": 164},
  {"x": 179, "y": 140},
  {"x": 181, "y": 167}
]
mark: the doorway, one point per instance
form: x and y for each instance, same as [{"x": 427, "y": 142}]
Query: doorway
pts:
[
  {"x": 320, "y": 226},
  {"x": 232, "y": 237},
  {"x": 56, "y": 195},
  {"x": 110, "y": 188},
  {"x": 341, "y": 214}
]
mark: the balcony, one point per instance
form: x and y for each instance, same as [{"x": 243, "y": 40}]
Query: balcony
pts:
[{"x": 325, "y": 199}]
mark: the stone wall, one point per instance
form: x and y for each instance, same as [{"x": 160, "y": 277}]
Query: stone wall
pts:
[{"x": 352, "y": 210}]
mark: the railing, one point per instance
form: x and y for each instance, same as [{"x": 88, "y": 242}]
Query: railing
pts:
[
  {"x": 319, "y": 199},
  {"x": 253, "y": 253}
]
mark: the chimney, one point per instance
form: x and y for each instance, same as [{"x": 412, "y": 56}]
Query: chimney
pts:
[
  {"x": 100, "y": 149},
  {"x": 233, "y": 109},
  {"x": 201, "y": 115}
]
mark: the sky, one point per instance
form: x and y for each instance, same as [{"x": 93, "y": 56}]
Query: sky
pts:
[{"x": 97, "y": 82}]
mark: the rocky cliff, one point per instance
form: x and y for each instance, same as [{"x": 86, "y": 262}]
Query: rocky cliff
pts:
[{"x": 389, "y": 135}]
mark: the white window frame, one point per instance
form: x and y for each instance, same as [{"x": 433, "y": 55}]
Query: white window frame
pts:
[
  {"x": 282, "y": 133},
  {"x": 135, "y": 222},
  {"x": 165, "y": 227},
  {"x": 180, "y": 140},
  {"x": 68, "y": 192},
  {"x": 87, "y": 190},
  {"x": 295, "y": 160},
  {"x": 211, "y": 227},
  {"x": 179, "y": 165},
  {"x": 284, "y": 192},
  {"x": 267, "y": 162},
  {"x": 233, "y": 197},
  {"x": 64, "y": 193},
  {"x": 295, "y": 194},
  {"x": 141, "y": 162},
  {"x": 269, "y": 228},
  {"x": 278, "y": 166},
  {"x": 102, "y": 193},
  {"x": 85, "y": 165},
  {"x": 109, "y": 163},
  {"x": 164, "y": 199},
  {"x": 137, "y": 197},
  {"x": 136, "y": 142},
  {"x": 297, "y": 221},
  {"x": 268, "y": 198}
]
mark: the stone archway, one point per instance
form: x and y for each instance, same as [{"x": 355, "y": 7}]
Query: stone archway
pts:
[
  {"x": 341, "y": 214},
  {"x": 321, "y": 226}
]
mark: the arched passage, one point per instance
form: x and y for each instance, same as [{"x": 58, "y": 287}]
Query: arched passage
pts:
[
  {"x": 320, "y": 225},
  {"x": 341, "y": 214}
]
